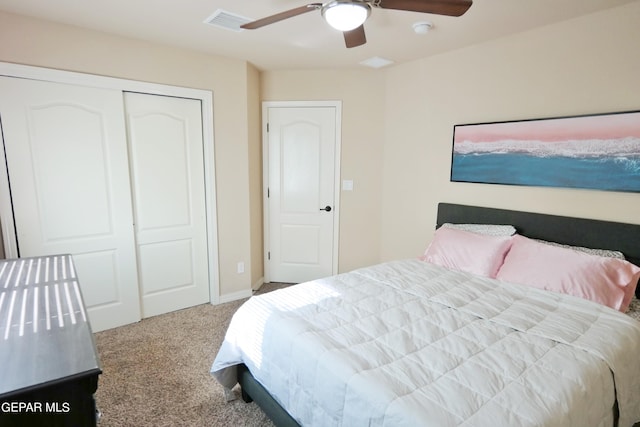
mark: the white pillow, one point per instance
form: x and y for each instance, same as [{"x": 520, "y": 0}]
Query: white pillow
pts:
[
  {"x": 486, "y": 229},
  {"x": 591, "y": 251}
]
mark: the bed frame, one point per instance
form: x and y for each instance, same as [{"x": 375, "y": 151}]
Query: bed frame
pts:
[{"x": 570, "y": 231}]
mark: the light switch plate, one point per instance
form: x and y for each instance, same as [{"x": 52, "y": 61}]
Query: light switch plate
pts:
[{"x": 347, "y": 185}]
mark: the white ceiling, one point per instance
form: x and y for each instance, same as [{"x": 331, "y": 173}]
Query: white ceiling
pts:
[{"x": 305, "y": 41}]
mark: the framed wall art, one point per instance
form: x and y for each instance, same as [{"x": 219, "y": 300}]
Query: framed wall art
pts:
[{"x": 600, "y": 151}]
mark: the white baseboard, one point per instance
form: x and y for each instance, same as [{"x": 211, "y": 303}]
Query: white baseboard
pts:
[
  {"x": 258, "y": 284},
  {"x": 241, "y": 294},
  {"x": 235, "y": 296}
]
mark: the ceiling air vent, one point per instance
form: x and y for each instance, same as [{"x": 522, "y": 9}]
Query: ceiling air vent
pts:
[{"x": 230, "y": 21}]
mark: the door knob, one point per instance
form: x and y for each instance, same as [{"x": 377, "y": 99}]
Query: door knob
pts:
[{"x": 326, "y": 208}]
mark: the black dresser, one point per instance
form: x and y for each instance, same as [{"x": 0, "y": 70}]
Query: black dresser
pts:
[{"x": 49, "y": 365}]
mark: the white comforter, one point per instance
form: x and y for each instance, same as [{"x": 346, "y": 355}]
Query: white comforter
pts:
[{"x": 407, "y": 343}]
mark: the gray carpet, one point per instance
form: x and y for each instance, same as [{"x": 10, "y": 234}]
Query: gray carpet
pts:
[{"x": 156, "y": 372}]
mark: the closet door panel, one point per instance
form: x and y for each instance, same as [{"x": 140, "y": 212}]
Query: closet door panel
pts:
[
  {"x": 167, "y": 171},
  {"x": 56, "y": 167},
  {"x": 102, "y": 267},
  {"x": 68, "y": 170}
]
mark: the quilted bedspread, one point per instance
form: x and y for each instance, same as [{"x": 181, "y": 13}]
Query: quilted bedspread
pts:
[{"x": 407, "y": 343}]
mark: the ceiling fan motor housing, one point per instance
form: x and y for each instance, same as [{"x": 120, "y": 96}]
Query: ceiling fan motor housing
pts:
[{"x": 346, "y": 15}]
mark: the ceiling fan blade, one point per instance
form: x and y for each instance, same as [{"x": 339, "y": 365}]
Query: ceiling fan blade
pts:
[
  {"x": 281, "y": 16},
  {"x": 355, "y": 37},
  {"x": 437, "y": 7}
]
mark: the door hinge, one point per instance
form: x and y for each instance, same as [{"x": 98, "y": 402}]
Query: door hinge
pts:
[
  {"x": 269, "y": 256},
  {"x": 268, "y": 192},
  {"x": 267, "y": 127}
]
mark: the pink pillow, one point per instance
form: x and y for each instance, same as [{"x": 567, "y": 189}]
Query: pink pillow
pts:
[
  {"x": 467, "y": 251},
  {"x": 608, "y": 281}
]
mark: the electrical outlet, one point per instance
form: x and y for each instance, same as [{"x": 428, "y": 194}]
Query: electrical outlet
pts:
[{"x": 240, "y": 267}]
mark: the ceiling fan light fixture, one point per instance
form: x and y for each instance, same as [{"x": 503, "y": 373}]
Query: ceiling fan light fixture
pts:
[{"x": 345, "y": 15}]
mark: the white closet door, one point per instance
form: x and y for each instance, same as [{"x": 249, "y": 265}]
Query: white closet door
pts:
[
  {"x": 167, "y": 171},
  {"x": 68, "y": 170}
]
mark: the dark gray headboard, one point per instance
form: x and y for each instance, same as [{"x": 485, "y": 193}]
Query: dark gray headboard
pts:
[{"x": 589, "y": 233}]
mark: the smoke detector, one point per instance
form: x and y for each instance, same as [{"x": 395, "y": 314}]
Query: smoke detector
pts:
[{"x": 422, "y": 27}]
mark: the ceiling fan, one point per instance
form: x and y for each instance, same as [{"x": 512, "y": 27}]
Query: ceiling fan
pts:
[{"x": 349, "y": 16}]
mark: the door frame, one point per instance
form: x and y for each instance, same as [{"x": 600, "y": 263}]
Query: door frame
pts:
[
  {"x": 265, "y": 175},
  {"x": 124, "y": 85}
]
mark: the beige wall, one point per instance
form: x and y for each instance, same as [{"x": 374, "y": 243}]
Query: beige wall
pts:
[
  {"x": 40, "y": 43},
  {"x": 397, "y": 123},
  {"x": 586, "y": 65},
  {"x": 362, "y": 96},
  {"x": 255, "y": 175}
]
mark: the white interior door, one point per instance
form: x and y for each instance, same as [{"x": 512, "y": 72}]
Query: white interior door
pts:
[
  {"x": 302, "y": 200},
  {"x": 167, "y": 172},
  {"x": 67, "y": 164}
]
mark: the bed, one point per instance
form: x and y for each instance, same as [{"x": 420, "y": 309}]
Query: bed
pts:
[{"x": 415, "y": 342}]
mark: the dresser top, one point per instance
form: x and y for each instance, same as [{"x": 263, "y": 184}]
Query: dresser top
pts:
[{"x": 45, "y": 335}]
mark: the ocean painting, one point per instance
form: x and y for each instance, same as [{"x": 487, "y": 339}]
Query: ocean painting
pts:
[{"x": 597, "y": 152}]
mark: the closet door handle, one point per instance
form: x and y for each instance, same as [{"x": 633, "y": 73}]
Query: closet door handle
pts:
[{"x": 326, "y": 208}]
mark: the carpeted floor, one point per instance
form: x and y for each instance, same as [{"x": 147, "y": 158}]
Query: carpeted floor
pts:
[{"x": 156, "y": 372}]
